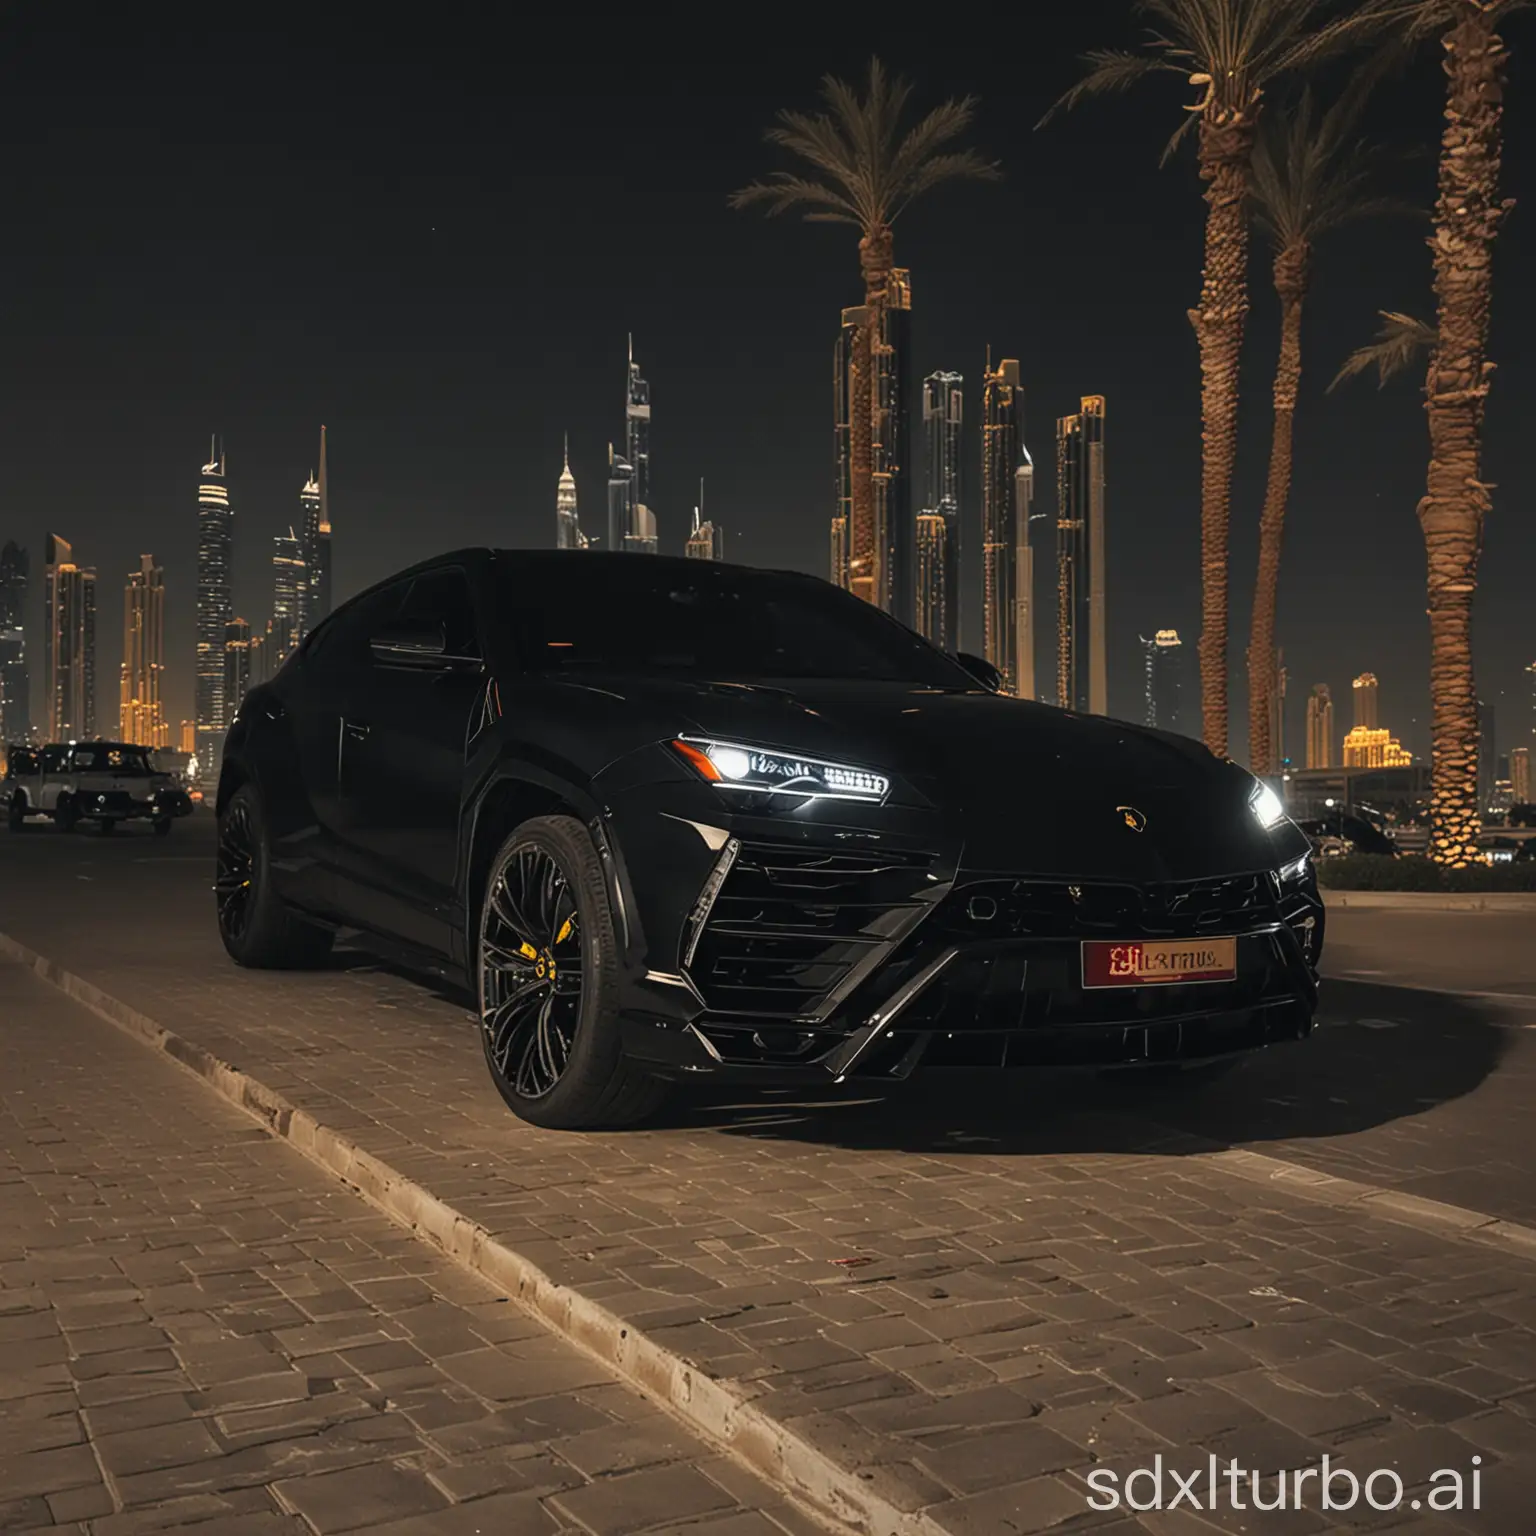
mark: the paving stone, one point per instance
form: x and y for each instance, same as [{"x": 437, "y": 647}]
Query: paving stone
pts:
[
  {"x": 636, "y": 1500},
  {"x": 175, "y": 1444},
  {"x": 343, "y": 1501}
]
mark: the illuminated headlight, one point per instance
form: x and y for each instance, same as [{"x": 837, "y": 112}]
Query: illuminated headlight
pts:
[
  {"x": 1296, "y": 870},
  {"x": 780, "y": 773},
  {"x": 1266, "y": 805}
]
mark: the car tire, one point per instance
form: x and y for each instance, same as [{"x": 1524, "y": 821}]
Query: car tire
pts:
[
  {"x": 108, "y": 825},
  {"x": 163, "y": 827},
  {"x": 64, "y": 814},
  {"x": 16, "y": 812},
  {"x": 595, "y": 1087},
  {"x": 257, "y": 930}
]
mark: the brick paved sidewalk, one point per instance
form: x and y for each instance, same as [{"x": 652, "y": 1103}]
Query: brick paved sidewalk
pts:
[
  {"x": 198, "y": 1328},
  {"x": 973, "y": 1323}
]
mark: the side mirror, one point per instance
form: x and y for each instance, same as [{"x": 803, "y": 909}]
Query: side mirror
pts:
[{"x": 983, "y": 671}]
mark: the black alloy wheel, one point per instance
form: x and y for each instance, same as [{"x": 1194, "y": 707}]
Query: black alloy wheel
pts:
[
  {"x": 163, "y": 827},
  {"x": 256, "y": 928},
  {"x": 108, "y": 825},
  {"x": 547, "y": 970}
]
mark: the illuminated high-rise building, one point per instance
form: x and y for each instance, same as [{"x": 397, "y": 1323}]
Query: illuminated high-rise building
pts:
[
  {"x": 237, "y": 664},
  {"x": 188, "y": 737},
  {"x": 1082, "y": 665},
  {"x": 69, "y": 642},
  {"x": 1520, "y": 775},
  {"x": 1007, "y": 487},
  {"x": 15, "y": 681},
  {"x": 707, "y": 540},
  {"x": 568, "y": 534},
  {"x": 290, "y": 587},
  {"x": 215, "y": 602},
  {"x": 637, "y": 450},
  {"x": 315, "y": 544},
  {"x": 842, "y": 435},
  {"x": 1366, "y": 691},
  {"x": 1163, "y": 659},
  {"x": 141, "y": 707},
  {"x": 1320, "y": 728},
  {"x": 1373, "y": 747},
  {"x": 937, "y": 556},
  {"x": 631, "y": 527},
  {"x": 878, "y": 563}
]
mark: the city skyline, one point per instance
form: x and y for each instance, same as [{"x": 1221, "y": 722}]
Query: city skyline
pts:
[{"x": 141, "y": 689}]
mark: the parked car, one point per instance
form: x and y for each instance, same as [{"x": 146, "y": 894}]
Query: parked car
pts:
[
  {"x": 1339, "y": 833},
  {"x": 673, "y": 818},
  {"x": 101, "y": 781}
]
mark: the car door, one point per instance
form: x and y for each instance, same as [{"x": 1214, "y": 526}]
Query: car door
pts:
[
  {"x": 55, "y": 760},
  {"x": 403, "y": 759},
  {"x": 321, "y": 866}
]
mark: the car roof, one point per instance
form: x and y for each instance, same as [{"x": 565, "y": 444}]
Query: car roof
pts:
[{"x": 109, "y": 746}]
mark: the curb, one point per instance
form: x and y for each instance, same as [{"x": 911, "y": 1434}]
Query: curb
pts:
[
  {"x": 1431, "y": 901},
  {"x": 716, "y": 1411}
]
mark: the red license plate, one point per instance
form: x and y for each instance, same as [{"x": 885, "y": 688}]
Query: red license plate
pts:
[{"x": 1157, "y": 962}]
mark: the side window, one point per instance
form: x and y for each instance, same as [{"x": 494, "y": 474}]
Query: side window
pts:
[
  {"x": 443, "y": 597},
  {"x": 54, "y": 759},
  {"x": 341, "y": 644}
]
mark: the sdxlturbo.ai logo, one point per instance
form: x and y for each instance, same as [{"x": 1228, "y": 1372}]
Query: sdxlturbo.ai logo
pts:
[{"x": 1232, "y": 1485}]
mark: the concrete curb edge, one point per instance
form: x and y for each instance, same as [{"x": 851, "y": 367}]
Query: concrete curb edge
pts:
[{"x": 709, "y": 1407}]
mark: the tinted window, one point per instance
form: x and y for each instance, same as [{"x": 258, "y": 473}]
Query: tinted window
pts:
[
  {"x": 633, "y": 614},
  {"x": 125, "y": 761},
  {"x": 443, "y": 597},
  {"x": 342, "y": 641},
  {"x": 54, "y": 759}
]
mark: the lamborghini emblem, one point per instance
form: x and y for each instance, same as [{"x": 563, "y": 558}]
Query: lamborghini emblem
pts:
[{"x": 1132, "y": 817}]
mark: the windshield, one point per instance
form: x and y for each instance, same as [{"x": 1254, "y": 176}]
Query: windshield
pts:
[
  {"x": 614, "y": 614},
  {"x": 124, "y": 762}
]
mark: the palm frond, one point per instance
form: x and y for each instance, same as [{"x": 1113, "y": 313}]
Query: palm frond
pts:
[
  {"x": 784, "y": 191},
  {"x": 869, "y": 168},
  {"x": 1399, "y": 343},
  {"x": 1109, "y": 70}
]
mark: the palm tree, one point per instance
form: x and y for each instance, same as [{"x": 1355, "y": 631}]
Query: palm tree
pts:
[
  {"x": 1456, "y": 503},
  {"x": 869, "y": 169},
  {"x": 1310, "y": 175},
  {"x": 1230, "y": 50}
]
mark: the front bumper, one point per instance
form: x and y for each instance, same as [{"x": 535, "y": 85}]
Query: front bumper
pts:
[
  {"x": 812, "y": 952},
  {"x": 118, "y": 805}
]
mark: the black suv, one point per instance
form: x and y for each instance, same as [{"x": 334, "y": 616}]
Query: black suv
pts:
[{"x": 676, "y": 817}]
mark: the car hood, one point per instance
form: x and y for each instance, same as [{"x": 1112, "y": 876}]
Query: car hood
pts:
[{"x": 1029, "y": 788}]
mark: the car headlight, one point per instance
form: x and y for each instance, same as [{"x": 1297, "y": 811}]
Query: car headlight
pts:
[
  {"x": 1296, "y": 870},
  {"x": 1266, "y": 805},
  {"x": 758, "y": 771}
]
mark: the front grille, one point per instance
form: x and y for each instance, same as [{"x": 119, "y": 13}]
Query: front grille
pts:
[
  {"x": 1020, "y": 909},
  {"x": 792, "y": 923}
]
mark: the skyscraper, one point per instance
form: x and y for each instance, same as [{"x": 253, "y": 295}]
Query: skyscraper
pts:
[
  {"x": 1004, "y": 525},
  {"x": 237, "y": 664},
  {"x": 707, "y": 540},
  {"x": 141, "y": 707},
  {"x": 842, "y": 435},
  {"x": 1366, "y": 693},
  {"x": 637, "y": 446},
  {"x": 315, "y": 545},
  {"x": 15, "y": 683},
  {"x": 877, "y": 563},
  {"x": 1163, "y": 658},
  {"x": 631, "y": 526},
  {"x": 290, "y": 585},
  {"x": 69, "y": 636},
  {"x": 215, "y": 602},
  {"x": 937, "y": 575},
  {"x": 1320, "y": 728},
  {"x": 568, "y": 534},
  {"x": 1520, "y": 775},
  {"x": 1082, "y": 666}
]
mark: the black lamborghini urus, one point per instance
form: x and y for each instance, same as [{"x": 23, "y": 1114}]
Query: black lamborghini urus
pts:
[{"x": 672, "y": 818}]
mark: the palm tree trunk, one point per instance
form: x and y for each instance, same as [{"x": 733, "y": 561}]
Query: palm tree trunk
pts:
[
  {"x": 1290, "y": 284},
  {"x": 865, "y": 555},
  {"x": 1456, "y": 501},
  {"x": 1225, "y": 148}
]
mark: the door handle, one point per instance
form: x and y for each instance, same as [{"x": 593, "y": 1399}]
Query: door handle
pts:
[{"x": 357, "y": 730}]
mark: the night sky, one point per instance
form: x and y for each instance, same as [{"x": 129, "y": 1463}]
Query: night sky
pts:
[{"x": 433, "y": 229}]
